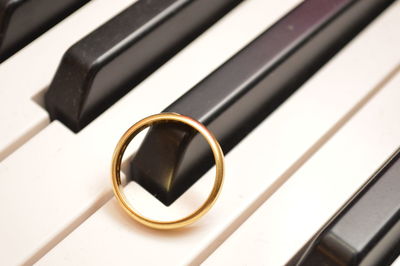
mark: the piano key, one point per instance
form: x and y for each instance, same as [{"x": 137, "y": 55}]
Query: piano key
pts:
[
  {"x": 22, "y": 21},
  {"x": 66, "y": 196},
  {"x": 256, "y": 81},
  {"x": 396, "y": 262},
  {"x": 285, "y": 139},
  {"x": 28, "y": 73},
  {"x": 99, "y": 69},
  {"x": 316, "y": 191},
  {"x": 367, "y": 230}
]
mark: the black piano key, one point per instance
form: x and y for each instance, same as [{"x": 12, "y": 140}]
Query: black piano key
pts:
[
  {"x": 102, "y": 67},
  {"x": 21, "y": 21},
  {"x": 247, "y": 88},
  {"x": 367, "y": 230}
]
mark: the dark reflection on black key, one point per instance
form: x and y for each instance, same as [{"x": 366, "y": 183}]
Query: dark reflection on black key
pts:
[
  {"x": 106, "y": 64},
  {"x": 21, "y": 21},
  {"x": 242, "y": 92},
  {"x": 367, "y": 230}
]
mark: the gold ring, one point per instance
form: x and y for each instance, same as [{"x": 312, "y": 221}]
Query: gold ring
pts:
[{"x": 127, "y": 138}]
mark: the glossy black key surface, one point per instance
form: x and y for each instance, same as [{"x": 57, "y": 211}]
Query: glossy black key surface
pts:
[
  {"x": 241, "y": 93},
  {"x": 21, "y": 21},
  {"x": 102, "y": 67},
  {"x": 367, "y": 230}
]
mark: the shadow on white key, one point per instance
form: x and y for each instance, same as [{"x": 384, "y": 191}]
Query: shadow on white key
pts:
[
  {"x": 57, "y": 179},
  {"x": 148, "y": 205},
  {"x": 255, "y": 168},
  {"x": 24, "y": 76}
]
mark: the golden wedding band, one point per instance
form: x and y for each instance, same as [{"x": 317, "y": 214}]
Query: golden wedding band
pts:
[{"x": 127, "y": 138}]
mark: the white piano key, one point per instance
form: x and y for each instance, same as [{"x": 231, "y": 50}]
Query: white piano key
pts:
[
  {"x": 396, "y": 262},
  {"x": 26, "y": 74},
  {"x": 285, "y": 222},
  {"x": 64, "y": 177},
  {"x": 285, "y": 140}
]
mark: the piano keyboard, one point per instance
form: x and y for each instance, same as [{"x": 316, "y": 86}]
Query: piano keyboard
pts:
[
  {"x": 284, "y": 181},
  {"x": 376, "y": 240},
  {"x": 20, "y": 22}
]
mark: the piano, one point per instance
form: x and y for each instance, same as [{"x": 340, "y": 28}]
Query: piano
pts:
[{"x": 308, "y": 126}]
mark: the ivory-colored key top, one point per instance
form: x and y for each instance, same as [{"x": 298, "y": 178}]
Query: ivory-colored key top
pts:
[{"x": 396, "y": 262}]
